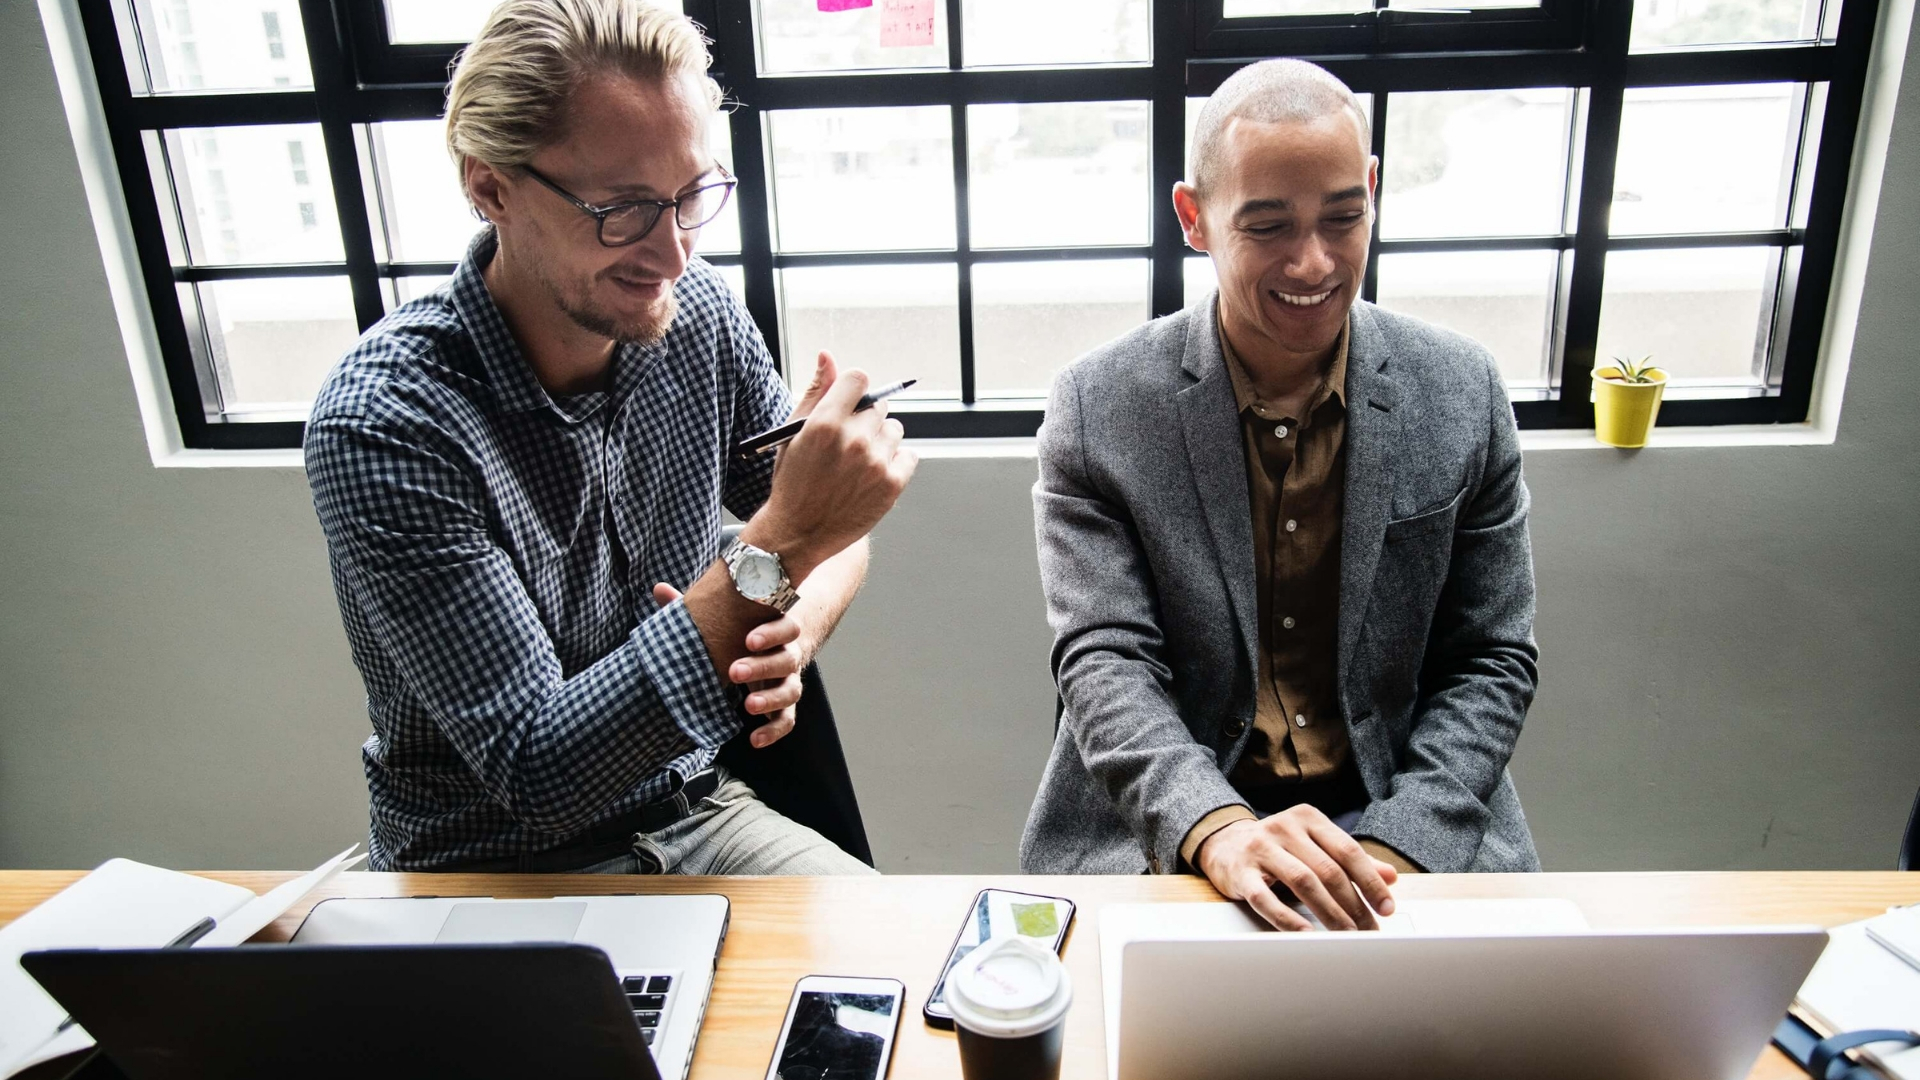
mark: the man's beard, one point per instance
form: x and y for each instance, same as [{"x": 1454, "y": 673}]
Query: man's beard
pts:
[{"x": 647, "y": 328}]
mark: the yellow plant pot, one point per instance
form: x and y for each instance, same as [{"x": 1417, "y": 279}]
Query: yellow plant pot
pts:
[{"x": 1624, "y": 412}]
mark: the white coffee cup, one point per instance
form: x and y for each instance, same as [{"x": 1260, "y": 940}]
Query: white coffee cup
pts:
[{"x": 1009, "y": 1000}]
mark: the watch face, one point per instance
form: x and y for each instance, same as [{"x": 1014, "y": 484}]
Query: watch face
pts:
[{"x": 758, "y": 575}]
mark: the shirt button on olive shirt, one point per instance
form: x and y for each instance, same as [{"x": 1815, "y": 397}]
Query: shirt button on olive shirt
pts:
[{"x": 1296, "y": 481}]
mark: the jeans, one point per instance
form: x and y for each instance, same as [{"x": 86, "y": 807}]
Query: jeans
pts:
[{"x": 732, "y": 832}]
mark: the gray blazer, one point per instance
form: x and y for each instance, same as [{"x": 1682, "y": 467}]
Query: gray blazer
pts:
[{"x": 1146, "y": 558}]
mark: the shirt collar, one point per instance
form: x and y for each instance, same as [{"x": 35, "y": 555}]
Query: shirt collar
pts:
[
  {"x": 1247, "y": 396},
  {"x": 516, "y": 388}
]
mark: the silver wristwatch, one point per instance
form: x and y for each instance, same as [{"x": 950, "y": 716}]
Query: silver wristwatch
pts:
[{"x": 758, "y": 576}]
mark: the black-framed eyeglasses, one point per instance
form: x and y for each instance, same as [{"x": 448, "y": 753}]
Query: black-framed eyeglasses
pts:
[{"x": 629, "y": 222}]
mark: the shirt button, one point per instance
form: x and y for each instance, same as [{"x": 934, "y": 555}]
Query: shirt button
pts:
[
  {"x": 1300, "y": 720},
  {"x": 1287, "y": 622},
  {"x": 1292, "y": 524},
  {"x": 1281, "y": 431}
]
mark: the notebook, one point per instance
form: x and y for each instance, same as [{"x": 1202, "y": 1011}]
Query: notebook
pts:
[
  {"x": 123, "y": 904},
  {"x": 1867, "y": 978}
]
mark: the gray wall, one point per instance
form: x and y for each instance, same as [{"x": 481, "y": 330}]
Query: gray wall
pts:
[{"x": 1727, "y": 678}]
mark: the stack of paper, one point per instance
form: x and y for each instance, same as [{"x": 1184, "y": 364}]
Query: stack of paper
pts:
[
  {"x": 123, "y": 905},
  {"x": 1869, "y": 977}
]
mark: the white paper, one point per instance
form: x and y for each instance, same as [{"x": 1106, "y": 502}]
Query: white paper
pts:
[
  {"x": 1859, "y": 984},
  {"x": 260, "y": 911},
  {"x": 121, "y": 905},
  {"x": 1899, "y": 931},
  {"x": 1123, "y": 923}
]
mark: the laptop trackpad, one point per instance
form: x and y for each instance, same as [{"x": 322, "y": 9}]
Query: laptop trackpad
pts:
[{"x": 505, "y": 920}]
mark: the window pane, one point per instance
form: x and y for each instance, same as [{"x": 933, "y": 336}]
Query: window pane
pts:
[
  {"x": 274, "y": 339},
  {"x": 1476, "y": 163},
  {"x": 1455, "y": 5},
  {"x": 1658, "y": 23},
  {"x": 1032, "y": 319},
  {"x": 893, "y": 322},
  {"x": 736, "y": 278},
  {"x": 408, "y": 288},
  {"x": 1009, "y": 32},
  {"x": 425, "y": 21},
  {"x": 721, "y": 236},
  {"x": 1502, "y": 299},
  {"x": 1703, "y": 314},
  {"x": 220, "y": 45},
  {"x": 796, "y": 36},
  {"x": 1244, "y": 9},
  {"x": 1704, "y": 158},
  {"x": 254, "y": 194},
  {"x": 862, "y": 179},
  {"x": 1197, "y": 277},
  {"x": 416, "y": 194},
  {"x": 1059, "y": 174},
  {"x": 441, "y": 21}
]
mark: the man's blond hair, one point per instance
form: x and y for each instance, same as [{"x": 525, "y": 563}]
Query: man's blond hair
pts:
[{"x": 510, "y": 88}]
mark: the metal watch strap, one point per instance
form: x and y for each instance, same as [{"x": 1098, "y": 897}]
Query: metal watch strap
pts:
[{"x": 783, "y": 597}]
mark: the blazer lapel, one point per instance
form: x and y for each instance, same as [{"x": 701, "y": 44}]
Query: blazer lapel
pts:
[
  {"x": 1373, "y": 429},
  {"x": 1216, "y": 458}
]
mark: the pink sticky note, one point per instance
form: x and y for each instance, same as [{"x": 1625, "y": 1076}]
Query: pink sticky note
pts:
[
  {"x": 842, "y": 5},
  {"x": 905, "y": 23}
]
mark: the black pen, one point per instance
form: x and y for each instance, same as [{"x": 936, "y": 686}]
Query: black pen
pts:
[
  {"x": 784, "y": 434},
  {"x": 187, "y": 937}
]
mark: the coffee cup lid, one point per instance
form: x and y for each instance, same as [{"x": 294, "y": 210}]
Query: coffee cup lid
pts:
[{"x": 1009, "y": 988}]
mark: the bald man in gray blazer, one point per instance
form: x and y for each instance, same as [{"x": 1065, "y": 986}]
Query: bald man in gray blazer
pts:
[{"x": 1281, "y": 448}]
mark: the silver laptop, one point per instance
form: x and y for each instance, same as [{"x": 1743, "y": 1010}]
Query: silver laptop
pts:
[
  {"x": 1572, "y": 1004},
  {"x": 663, "y": 948}
]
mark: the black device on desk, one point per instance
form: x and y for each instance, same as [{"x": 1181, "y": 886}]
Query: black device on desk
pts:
[
  {"x": 371, "y": 1012},
  {"x": 998, "y": 913},
  {"x": 838, "y": 1029}
]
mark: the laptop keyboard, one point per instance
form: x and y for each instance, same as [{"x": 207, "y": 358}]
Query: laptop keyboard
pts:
[{"x": 647, "y": 997}]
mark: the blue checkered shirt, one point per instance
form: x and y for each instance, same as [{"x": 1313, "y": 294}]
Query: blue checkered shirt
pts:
[{"x": 494, "y": 549}]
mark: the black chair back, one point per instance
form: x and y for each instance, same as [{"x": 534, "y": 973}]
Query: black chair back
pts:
[
  {"x": 804, "y": 776},
  {"x": 1910, "y": 845}
]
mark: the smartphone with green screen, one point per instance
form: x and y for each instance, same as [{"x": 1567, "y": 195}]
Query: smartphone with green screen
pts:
[{"x": 997, "y": 913}]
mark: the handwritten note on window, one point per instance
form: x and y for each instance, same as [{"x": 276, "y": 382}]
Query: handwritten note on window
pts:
[
  {"x": 842, "y": 5},
  {"x": 905, "y": 23}
]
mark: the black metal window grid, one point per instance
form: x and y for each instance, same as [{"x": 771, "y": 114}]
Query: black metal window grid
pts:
[{"x": 360, "y": 78}]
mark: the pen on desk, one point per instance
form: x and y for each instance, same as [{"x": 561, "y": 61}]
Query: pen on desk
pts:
[
  {"x": 185, "y": 939},
  {"x": 784, "y": 434}
]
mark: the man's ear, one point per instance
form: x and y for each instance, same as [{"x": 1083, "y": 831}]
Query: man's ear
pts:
[
  {"x": 1186, "y": 207},
  {"x": 485, "y": 189},
  {"x": 1373, "y": 187}
]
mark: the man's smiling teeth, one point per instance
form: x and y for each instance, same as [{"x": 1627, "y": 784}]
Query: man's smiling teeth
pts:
[{"x": 1302, "y": 301}]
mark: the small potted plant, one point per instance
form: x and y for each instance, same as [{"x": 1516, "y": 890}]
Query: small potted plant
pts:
[{"x": 1626, "y": 399}]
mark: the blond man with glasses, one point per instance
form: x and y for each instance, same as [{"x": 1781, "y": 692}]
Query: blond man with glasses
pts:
[{"x": 521, "y": 479}]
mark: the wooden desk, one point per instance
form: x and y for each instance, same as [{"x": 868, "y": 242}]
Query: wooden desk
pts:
[{"x": 784, "y": 928}]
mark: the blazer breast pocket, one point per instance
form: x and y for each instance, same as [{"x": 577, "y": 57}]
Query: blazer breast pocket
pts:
[{"x": 1437, "y": 519}]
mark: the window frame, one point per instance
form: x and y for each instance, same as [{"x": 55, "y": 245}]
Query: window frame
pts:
[{"x": 359, "y": 78}]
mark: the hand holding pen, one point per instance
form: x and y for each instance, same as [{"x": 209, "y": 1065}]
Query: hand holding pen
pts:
[
  {"x": 780, "y": 436},
  {"x": 837, "y": 478}
]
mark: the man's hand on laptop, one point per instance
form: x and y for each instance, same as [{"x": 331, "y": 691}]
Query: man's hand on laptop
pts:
[{"x": 1310, "y": 855}]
